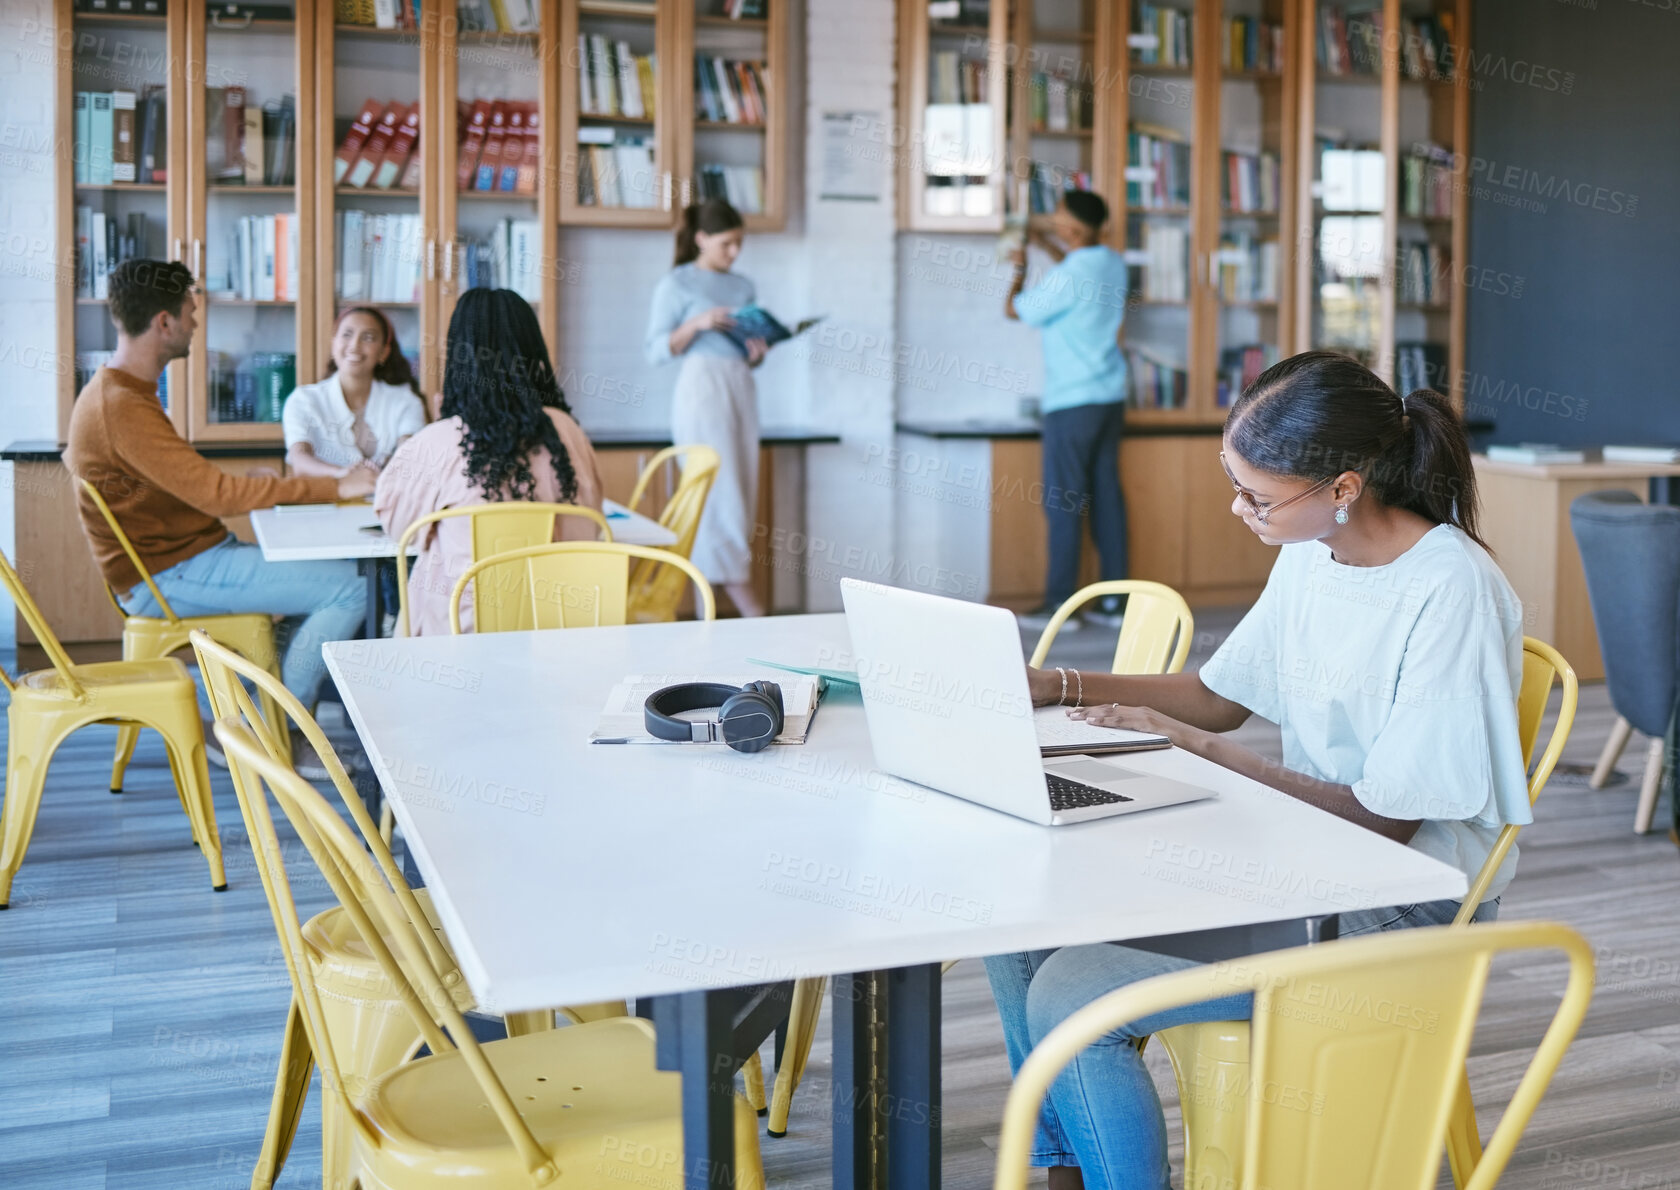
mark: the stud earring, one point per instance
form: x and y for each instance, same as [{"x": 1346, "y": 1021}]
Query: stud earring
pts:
[{"x": 1341, "y": 514}]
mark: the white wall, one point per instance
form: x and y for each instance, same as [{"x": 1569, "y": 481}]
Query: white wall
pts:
[{"x": 28, "y": 360}]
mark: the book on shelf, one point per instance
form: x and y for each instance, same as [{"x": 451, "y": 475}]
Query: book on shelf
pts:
[
  {"x": 508, "y": 257},
  {"x": 728, "y": 91},
  {"x": 279, "y": 117},
  {"x": 1160, "y": 35},
  {"x": 1159, "y": 168},
  {"x": 489, "y": 168},
  {"x": 350, "y": 148},
  {"x": 1534, "y": 453},
  {"x": 81, "y": 127},
  {"x": 1247, "y": 267},
  {"x": 529, "y": 167},
  {"x": 1252, "y": 46},
  {"x": 262, "y": 259},
  {"x": 741, "y": 186},
  {"x": 1641, "y": 454},
  {"x": 1251, "y": 183},
  {"x": 154, "y": 137},
  {"x": 377, "y": 144},
  {"x": 379, "y": 256},
  {"x": 1057, "y": 103},
  {"x": 613, "y": 80},
  {"x": 1426, "y": 183},
  {"x": 224, "y": 145},
  {"x": 122, "y": 136},
  {"x": 252, "y": 146},
  {"x": 1240, "y": 367},
  {"x": 105, "y": 241},
  {"x": 116, "y": 137},
  {"x": 956, "y": 79},
  {"x": 1349, "y": 42},
  {"x": 395, "y": 161},
  {"x": 1156, "y": 384},
  {"x": 470, "y": 143},
  {"x": 1420, "y": 365},
  {"x": 99, "y": 138},
  {"x": 1165, "y": 257},
  {"x": 1425, "y": 273},
  {"x": 498, "y": 16},
  {"x": 250, "y": 389},
  {"x": 616, "y": 169}
]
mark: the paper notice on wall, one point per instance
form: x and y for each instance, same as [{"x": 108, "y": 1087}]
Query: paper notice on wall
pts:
[{"x": 856, "y": 149}]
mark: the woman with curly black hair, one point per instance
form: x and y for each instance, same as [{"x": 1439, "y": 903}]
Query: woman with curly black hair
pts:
[{"x": 505, "y": 432}]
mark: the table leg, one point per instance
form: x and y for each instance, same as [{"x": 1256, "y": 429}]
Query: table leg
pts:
[
  {"x": 912, "y": 1107},
  {"x": 853, "y": 1091},
  {"x": 375, "y": 613}
]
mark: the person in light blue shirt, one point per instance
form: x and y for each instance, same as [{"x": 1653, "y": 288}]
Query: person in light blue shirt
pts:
[
  {"x": 1386, "y": 646},
  {"x": 1078, "y": 307}
]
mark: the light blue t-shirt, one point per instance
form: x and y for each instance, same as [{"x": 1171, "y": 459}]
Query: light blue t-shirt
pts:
[
  {"x": 1399, "y": 680},
  {"x": 1079, "y": 305},
  {"x": 688, "y": 290}
]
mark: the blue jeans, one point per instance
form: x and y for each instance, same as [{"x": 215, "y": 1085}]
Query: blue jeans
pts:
[
  {"x": 1103, "y": 1114},
  {"x": 1082, "y": 476},
  {"x": 321, "y": 601}
]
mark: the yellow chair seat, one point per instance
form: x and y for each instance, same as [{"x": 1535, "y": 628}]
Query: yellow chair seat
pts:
[
  {"x": 432, "y": 1126},
  {"x": 107, "y": 678}
]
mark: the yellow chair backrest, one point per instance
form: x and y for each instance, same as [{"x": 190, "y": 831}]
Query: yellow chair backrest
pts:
[
  {"x": 655, "y": 590},
  {"x": 564, "y": 584},
  {"x": 1154, "y": 637},
  {"x": 496, "y": 528},
  {"x": 379, "y": 918},
  {"x": 229, "y": 700},
  {"x": 44, "y": 635},
  {"x": 133, "y": 557},
  {"x": 1358, "y": 1047},
  {"x": 1542, "y": 664}
]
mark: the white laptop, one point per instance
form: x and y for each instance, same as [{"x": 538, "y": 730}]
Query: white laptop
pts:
[{"x": 945, "y": 695}]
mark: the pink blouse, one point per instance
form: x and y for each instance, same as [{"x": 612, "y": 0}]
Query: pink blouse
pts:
[{"x": 428, "y": 473}]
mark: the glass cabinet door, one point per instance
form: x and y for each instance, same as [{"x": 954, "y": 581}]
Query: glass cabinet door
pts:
[
  {"x": 954, "y": 116},
  {"x": 249, "y": 222},
  {"x": 732, "y": 108},
  {"x": 617, "y": 69},
  {"x": 1054, "y": 102}
]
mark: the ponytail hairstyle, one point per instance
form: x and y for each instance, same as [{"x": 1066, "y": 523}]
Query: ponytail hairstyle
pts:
[
  {"x": 712, "y": 216},
  {"x": 1318, "y": 414},
  {"x": 394, "y": 368},
  {"x": 498, "y": 381}
]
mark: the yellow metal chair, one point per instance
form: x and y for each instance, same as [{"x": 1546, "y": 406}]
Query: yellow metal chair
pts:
[
  {"x": 563, "y": 584},
  {"x": 655, "y": 590},
  {"x": 48, "y": 704},
  {"x": 1154, "y": 636},
  {"x": 1340, "y": 1094},
  {"x": 146, "y": 639},
  {"x": 1213, "y": 1127},
  {"x": 372, "y": 1032},
  {"x": 582, "y": 1105},
  {"x": 496, "y": 528}
]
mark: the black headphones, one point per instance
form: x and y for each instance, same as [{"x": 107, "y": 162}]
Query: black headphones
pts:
[{"x": 749, "y": 717}]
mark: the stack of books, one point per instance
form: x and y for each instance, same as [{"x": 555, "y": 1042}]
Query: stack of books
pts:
[
  {"x": 615, "y": 81},
  {"x": 1156, "y": 385},
  {"x": 498, "y": 16},
  {"x": 1426, "y": 182},
  {"x": 379, "y": 151},
  {"x": 120, "y": 137},
  {"x": 1252, "y": 46},
  {"x": 379, "y": 256},
  {"x": 262, "y": 260},
  {"x": 1251, "y": 183},
  {"x": 616, "y": 169},
  {"x": 498, "y": 146},
  {"x": 1159, "y": 172},
  {"x": 378, "y": 14},
  {"x": 102, "y": 243},
  {"x": 742, "y": 186},
  {"x": 249, "y": 145},
  {"x": 729, "y": 92},
  {"x": 1248, "y": 268},
  {"x": 1160, "y": 35}
]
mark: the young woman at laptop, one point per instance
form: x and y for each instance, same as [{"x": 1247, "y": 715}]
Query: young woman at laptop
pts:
[{"x": 1387, "y": 646}]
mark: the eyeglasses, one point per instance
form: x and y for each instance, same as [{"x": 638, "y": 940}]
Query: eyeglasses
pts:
[{"x": 1263, "y": 512}]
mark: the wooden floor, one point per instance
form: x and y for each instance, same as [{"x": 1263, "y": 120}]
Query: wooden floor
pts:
[{"x": 140, "y": 1013}]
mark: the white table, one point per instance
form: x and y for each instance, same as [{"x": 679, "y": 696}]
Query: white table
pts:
[
  {"x": 334, "y": 532},
  {"x": 566, "y": 872}
]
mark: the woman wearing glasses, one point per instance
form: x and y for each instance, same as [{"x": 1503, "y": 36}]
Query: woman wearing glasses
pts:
[{"x": 1387, "y": 646}]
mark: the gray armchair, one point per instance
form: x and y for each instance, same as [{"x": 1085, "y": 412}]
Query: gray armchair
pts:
[{"x": 1631, "y": 554}]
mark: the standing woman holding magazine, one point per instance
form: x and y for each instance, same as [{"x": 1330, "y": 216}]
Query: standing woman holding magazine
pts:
[{"x": 715, "y": 401}]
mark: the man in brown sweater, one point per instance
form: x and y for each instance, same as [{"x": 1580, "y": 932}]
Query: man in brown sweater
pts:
[{"x": 168, "y": 497}]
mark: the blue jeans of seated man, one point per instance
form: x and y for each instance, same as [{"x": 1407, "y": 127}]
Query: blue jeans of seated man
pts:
[
  {"x": 1103, "y": 1113},
  {"x": 322, "y": 601},
  {"x": 1082, "y": 475}
]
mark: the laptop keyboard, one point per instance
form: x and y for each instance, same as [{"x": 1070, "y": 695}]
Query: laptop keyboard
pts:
[{"x": 1076, "y": 795}]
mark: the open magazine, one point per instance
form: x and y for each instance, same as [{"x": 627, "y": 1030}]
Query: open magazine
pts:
[{"x": 755, "y": 322}]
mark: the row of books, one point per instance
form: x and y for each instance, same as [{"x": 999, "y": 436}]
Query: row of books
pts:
[
  {"x": 1425, "y": 273},
  {"x": 615, "y": 81},
  {"x": 498, "y": 145},
  {"x": 1049, "y": 182},
  {"x": 102, "y": 243},
  {"x": 1159, "y": 171},
  {"x": 1351, "y": 43},
  {"x": 1248, "y": 268},
  {"x": 499, "y": 16},
  {"x": 1252, "y": 183},
  {"x": 509, "y": 257},
  {"x": 256, "y": 145},
  {"x": 730, "y": 92},
  {"x": 1058, "y": 104},
  {"x": 956, "y": 79},
  {"x": 251, "y": 388},
  {"x": 742, "y": 186},
  {"x": 1165, "y": 251},
  {"x": 378, "y": 14},
  {"x": 262, "y": 259},
  {"x": 120, "y": 137},
  {"x": 380, "y": 149},
  {"x": 1155, "y": 384},
  {"x": 1420, "y": 365},
  {"x": 1240, "y": 367},
  {"x": 1426, "y": 181},
  {"x": 379, "y": 256},
  {"x": 616, "y": 169},
  {"x": 1252, "y": 45},
  {"x": 1160, "y": 35},
  {"x": 741, "y": 10}
]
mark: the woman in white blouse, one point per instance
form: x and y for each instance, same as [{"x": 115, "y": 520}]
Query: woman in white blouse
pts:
[{"x": 367, "y": 404}]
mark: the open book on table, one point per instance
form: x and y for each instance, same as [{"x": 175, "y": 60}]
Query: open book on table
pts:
[{"x": 621, "y": 719}]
